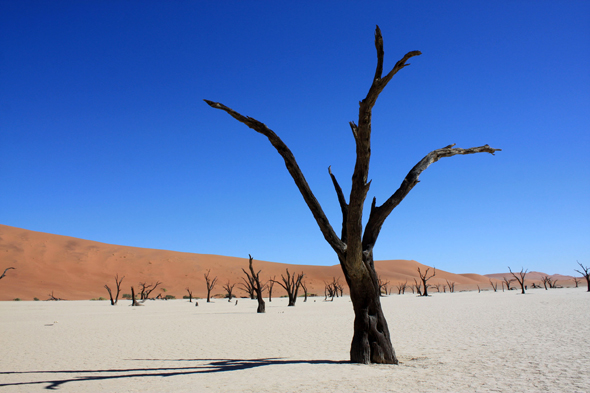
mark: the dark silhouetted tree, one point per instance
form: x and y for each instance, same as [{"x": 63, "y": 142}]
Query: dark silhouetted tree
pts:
[
  {"x": 585, "y": 272},
  {"x": 520, "y": 277},
  {"x": 304, "y": 287},
  {"x": 118, "y": 284},
  {"x": 401, "y": 288},
  {"x": 291, "y": 284},
  {"x": 425, "y": 277},
  {"x": 257, "y": 286},
  {"x": 146, "y": 289},
  {"x": 190, "y": 295},
  {"x": 494, "y": 286},
  {"x": 371, "y": 342},
  {"x": 229, "y": 288},
  {"x": 382, "y": 286},
  {"x": 210, "y": 284},
  {"x": 269, "y": 285},
  {"x": 451, "y": 286}
]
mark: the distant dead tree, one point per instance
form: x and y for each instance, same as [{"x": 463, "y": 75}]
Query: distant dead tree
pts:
[
  {"x": 444, "y": 287},
  {"x": 585, "y": 273},
  {"x": 5, "y": 270},
  {"x": 576, "y": 281},
  {"x": 425, "y": 277},
  {"x": 507, "y": 282},
  {"x": 437, "y": 286},
  {"x": 133, "y": 300},
  {"x": 520, "y": 277},
  {"x": 291, "y": 284},
  {"x": 269, "y": 285},
  {"x": 210, "y": 284},
  {"x": 330, "y": 289},
  {"x": 146, "y": 289},
  {"x": 229, "y": 289},
  {"x": 304, "y": 287},
  {"x": 339, "y": 288},
  {"x": 451, "y": 285},
  {"x": 494, "y": 286},
  {"x": 247, "y": 285},
  {"x": 371, "y": 341},
  {"x": 52, "y": 297},
  {"x": 118, "y": 283},
  {"x": 418, "y": 287},
  {"x": 478, "y": 289},
  {"x": 401, "y": 288},
  {"x": 382, "y": 286},
  {"x": 190, "y": 295},
  {"x": 257, "y": 286}
]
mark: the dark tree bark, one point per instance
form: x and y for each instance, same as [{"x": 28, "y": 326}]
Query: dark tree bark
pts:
[
  {"x": 371, "y": 342},
  {"x": 5, "y": 270},
  {"x": 382, "y": 286},
  {"x": 257, "y": 286},
  {"x": 451, "y": 286},
  {"x": 418, "y": 287},
  {"x": 229, "y": 288},
  {"x": 147, "y": 289},
  {"x": 576, "y": 281},
  {"x": 248, "y": 285},
  {"x": 133, "y": 300},
  {"x": 304, "y": 287},
  {"x": 401, "y": 288},
  {"x": 118, "y": 284},
  {"x": 585, "y": 273},
  {"x": 190, "y": 295},
  {"x": 520, "y": 277},
  {"x": 210, "y": 284},
  {"x": 291, "y": 284},
  {"x": 425, "y": 277},
  {"x": 546, "y": 280}
]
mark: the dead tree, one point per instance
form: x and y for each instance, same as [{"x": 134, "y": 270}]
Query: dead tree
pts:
[
  {"x": 5, "y": 270},
  {"x": 451, "y": 285},
  {"x": 118, "y": 283},
  {"x": 190, "y": 295},
  {"x": 585, "y": 273},
  {"x": 210, "y": 284},
  {"x": 520, "y": 277},
  {"x": 330, "y": 289},
  {"x": 382, "y": 286},
  {"x": 269, "y": 285},
  {"x": 418, "y": 287},
  {"x": 507, "y": 282},
  {"x": 304, "y": 287},
  {"x": 425, "y": 277},
  {"x": 133, "y": 300},
  {"x": 401, "y": 288},
  {"x": 576, "y": 281},
  {"x": 437, "y": 286},
  {"x": 229, "y": 288},
  {"x": 146, "y": 289},
  {"x": 371, "y": 342},
  {"x": 52, "y": 297},
  {"x": 494, "y": 286},
  {"x": 291, "y": 284},
  {"x": 257, "y": 286}
]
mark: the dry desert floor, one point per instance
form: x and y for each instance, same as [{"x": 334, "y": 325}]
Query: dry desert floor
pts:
[{"x": 460, "y": 342}]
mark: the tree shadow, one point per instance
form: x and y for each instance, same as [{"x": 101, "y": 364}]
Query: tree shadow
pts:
[{"x": 208, "y": 366}]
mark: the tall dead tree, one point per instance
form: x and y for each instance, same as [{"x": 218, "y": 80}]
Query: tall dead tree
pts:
[
  {"x": 585, "y": 273},
  {"x": 118, "y": 283},
  {"x": 546, "y": 281},
  {"x": 371, "y": 342},
  {"x": 146, "y": 289},
  {"x": 257, "y": 286},
  {"x": 5, "y": 270},
  {"x": 520, "y": 277},
  {"x": 210, "y": 284},
  {"x": 425, "y": 277},
  {"x": 190, "y": 295},
  {"x": 229, "y": 288},
  {"x": 291, "y": 284}
]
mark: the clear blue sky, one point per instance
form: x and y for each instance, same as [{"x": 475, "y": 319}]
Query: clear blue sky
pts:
[{"x": 104, "y": 134}]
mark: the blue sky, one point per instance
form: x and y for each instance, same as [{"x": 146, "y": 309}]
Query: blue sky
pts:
[{"x": 104, "y": 134}]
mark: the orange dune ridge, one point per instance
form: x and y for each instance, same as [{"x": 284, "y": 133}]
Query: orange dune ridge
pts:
[{"x": 76, "y": 269}]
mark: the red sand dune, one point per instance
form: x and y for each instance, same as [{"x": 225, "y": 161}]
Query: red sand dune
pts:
[{"x": 77, "y": 269}]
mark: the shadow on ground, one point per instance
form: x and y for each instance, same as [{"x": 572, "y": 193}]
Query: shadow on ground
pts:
[{"x": 207, "y": 366}]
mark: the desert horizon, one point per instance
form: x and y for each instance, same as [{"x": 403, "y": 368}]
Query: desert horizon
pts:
[{"x": 77, "y": 269}]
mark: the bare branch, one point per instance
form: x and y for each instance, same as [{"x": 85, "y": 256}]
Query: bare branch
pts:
[{"x": 5, "y": 270}]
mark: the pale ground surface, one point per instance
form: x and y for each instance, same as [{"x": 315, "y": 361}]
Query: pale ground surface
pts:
[{"x": 461, "y": 342}]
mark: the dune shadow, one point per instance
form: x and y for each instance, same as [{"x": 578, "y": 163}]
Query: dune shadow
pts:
[{"x": 205, "y": 366}]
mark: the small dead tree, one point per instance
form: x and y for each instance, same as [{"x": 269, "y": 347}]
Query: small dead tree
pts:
[
  {"x": 210, "y": 284},
  {"x": 576, "y": 281},
  {"x": 494, "y": 286},
  {"x": 190, "y": 295},
  {"x": 133, "y": 300},
  {"x": 304, "y": 287},
  {"x": 5, "y": 270},
  {"x": 146, "y": 289},
  {"x": 507, "y": 282},
  {"x": 330, "y": 289},
  {"x": 52, "y": 297},
  {"x": 118, "y": 283},
  {"x": 585, "y": 273},
  {"x": 451, "y": 285},
  {"x": 401, "y": 288},
  {"x": 291, "y": 284},
  {"x": 229, "y": 288},
  {"x": 257, "y": 286},
  {"x": 382, "y": 286},
  {"x": 269, "y": 286},
  {"x": 520, "y": 277},
  {"x": 425, "y": 277},
  {"x": 418, "y": 287},
  {"x": 546, "y": 281}
]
